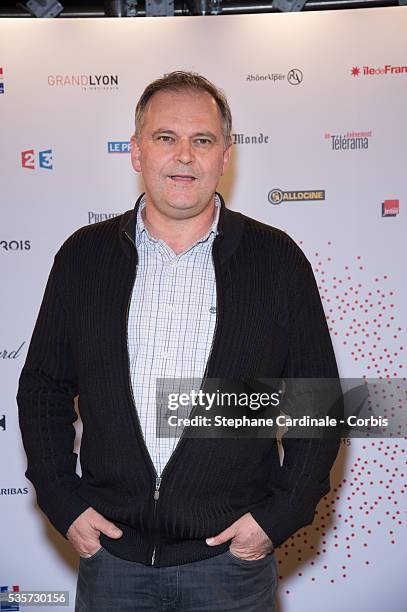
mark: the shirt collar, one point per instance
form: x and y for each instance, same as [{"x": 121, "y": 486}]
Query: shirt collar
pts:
[{"x": 142, "y": 232}]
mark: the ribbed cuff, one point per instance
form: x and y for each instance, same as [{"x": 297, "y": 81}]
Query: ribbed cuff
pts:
[
  {"x": 62, "y": 507},
  {"x": 279, "y": 520}
]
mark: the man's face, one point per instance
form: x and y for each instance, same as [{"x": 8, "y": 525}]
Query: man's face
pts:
[{"x": 181, "y": 152}]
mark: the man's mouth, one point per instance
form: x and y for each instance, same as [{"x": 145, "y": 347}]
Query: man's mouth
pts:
[{"x": 183, "y": 178}]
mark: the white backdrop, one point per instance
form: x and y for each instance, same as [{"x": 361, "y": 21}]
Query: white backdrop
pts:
[{"x": 300, "y": 86}]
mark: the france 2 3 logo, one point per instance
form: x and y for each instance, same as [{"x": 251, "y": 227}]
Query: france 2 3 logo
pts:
[{"x": 44, "y": 159}]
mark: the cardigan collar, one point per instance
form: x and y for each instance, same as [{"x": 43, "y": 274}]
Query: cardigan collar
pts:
[{"x": 230, "y": 229}]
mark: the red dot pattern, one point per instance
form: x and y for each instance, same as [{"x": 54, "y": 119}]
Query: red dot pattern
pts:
[{"x": 371, "y": 497}]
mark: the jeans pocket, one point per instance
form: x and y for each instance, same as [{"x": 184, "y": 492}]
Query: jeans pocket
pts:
[
  {"x": 248, "y": 561},
  {"x": 96, "y": 554}
]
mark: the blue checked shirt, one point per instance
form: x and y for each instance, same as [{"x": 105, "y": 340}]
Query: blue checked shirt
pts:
[{"x": 171, "y": 324}]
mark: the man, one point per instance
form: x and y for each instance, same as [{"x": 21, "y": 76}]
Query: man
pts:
[{"x": 178, "y": 287}]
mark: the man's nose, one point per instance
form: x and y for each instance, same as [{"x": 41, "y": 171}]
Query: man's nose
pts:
[{"x": 184, "y": 151}]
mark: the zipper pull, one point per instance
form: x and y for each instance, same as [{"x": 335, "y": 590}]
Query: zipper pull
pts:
[{"x": 157, "y": 488}]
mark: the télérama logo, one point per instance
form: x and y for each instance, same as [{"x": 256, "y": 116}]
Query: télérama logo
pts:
[
  {"x": 349, "y": 141},
  {"x": 380, "y": 70}
]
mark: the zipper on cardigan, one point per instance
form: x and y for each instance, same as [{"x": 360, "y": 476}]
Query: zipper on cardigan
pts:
[
  {"x": 158, "y": 479},
  {"x": 135, "y": 413},
  {"x": 171, "y": 459},
  {"x": 157, "y": 488},
  {"x": 156, "y": 498}
]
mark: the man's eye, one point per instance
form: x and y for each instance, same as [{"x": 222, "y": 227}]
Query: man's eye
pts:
[
  {"x": 203, "y": 141},
  {"x": 165, "y": 138}
]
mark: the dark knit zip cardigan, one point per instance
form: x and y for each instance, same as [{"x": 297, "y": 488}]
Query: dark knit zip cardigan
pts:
[{"x": 270, "y": 324}]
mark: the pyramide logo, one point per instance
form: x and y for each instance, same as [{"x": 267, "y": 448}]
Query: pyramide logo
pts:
[
  {"x": 390, "y": 208},
  {"x": 383, "y": 70},
  {"x": 6, "y": 606}
]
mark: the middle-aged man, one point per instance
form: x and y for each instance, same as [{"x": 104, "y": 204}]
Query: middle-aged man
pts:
[{"x": 180, "y": 286}]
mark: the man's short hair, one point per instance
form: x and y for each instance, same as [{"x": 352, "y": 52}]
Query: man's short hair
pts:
[{"x": 178, "y": 81}]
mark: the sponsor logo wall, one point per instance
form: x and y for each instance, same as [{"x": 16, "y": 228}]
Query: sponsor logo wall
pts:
[{"x": 315, "y": 154}]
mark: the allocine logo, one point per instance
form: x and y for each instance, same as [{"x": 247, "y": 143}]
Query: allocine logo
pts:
[
  {"x": 375, "y": 71},
  {"x": 97, "y": 217},
  {"x": 390, "y": 208},
  {"x": 118, "y": 146},
  {"x": 350, "y": 141},
  {"x": 1, "y": 80},
  {"x": 2, "y": 422},
  {"x": 14, "y": 491},
  {"x": 12, "y": 606},
  {"x": 87, "y": 82},
  {"x": 277, "y": 196},
  {"x": 242, "y": 139},
  {"x": 294, "y": 76}
]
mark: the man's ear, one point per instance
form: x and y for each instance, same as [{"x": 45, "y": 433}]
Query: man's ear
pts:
[
  {"x": 226, "y": 158},
  {"x": 135, "y": 152}
]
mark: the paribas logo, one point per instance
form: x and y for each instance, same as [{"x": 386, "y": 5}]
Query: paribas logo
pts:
[
  {"x": 97, "y": 217},
  {"x": 1, "y": 81},
  {"x": 247, "y": 139},
  {"x": 385, "y": 70},
  {"x": 278, "y": 196},
  {"x": 350, "y": 141},
  {"x": 86, "y": 82},
  {"x": 293, "y": 77},
  {"x": 14, "y": 491}
]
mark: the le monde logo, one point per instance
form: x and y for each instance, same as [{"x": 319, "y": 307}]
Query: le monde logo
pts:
[{"x": 11, "y": 353}]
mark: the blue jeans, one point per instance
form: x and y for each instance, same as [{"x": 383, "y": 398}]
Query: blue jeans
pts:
[{"x": 109, "y": 584}]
